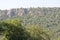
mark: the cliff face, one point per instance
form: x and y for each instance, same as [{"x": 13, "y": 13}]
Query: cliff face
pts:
[{"x": 12, "y": 12}]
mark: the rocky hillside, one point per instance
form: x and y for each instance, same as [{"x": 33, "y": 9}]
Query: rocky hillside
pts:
[
  {"x": 31, "y": 11},
  {"x": 12, "y": 12}
]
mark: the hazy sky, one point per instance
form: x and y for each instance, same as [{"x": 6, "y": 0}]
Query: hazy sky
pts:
[{"x": 7, "y": 4}]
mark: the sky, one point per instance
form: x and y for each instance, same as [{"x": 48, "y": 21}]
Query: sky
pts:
[{"x": 9, "y": 4}]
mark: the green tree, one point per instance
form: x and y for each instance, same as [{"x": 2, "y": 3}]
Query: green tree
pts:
[
  {"x": 37, "y": 33},
  {"x": 13, "y": 30}
]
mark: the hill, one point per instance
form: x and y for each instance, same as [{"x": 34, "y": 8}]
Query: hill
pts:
[{"x": 49, "y": 18}]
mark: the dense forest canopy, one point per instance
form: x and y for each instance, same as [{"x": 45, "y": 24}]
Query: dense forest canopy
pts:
[
  {"x": 47, "y": 18},
  {"x": 14, "y": 30}
]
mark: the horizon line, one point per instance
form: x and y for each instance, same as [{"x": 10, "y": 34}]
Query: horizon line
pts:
[{"x": 29, "y": 7}]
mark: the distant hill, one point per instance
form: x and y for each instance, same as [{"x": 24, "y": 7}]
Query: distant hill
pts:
[{"x": 28, "y": 11}]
